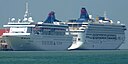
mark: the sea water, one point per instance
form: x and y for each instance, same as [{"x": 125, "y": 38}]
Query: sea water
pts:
[{"x": 65, "y": 57}]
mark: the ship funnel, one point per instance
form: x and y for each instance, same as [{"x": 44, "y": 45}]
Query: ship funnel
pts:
[
  {"x": 84, "y": 15},
  {"x": 51, "y": 18}
]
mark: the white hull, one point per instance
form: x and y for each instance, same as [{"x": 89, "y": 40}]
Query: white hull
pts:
[
  {"x": 37, "y": 42},
  {"x": 99, "y": 45},
  {"x": 96, "y": 44},
  {"x": 100, "y": 39}
]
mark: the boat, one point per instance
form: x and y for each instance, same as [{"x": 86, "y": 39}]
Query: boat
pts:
[
  {"x": 3, "y": 43},
  {"x": 27, "y": 35},
  {"x": 95, "y": 34}
]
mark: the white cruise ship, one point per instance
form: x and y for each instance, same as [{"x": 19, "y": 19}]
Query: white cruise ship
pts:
[
  {"x": 29, "y": 35},
  {"x": 101, "y": 33}
]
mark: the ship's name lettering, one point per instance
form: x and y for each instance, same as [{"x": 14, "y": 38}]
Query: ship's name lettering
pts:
[
  {"x": 25, "y": 38},
  {"x": 51, "y": 43}
]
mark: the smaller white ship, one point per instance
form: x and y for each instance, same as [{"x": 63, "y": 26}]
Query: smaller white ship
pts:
[
  {"x": 101, "y": 33},
  {"x": 29, "y": 35}
]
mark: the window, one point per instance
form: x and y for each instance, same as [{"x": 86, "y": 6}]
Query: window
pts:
[{"x": 78, "y": 39}]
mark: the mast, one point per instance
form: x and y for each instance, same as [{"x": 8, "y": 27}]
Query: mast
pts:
[
  {"x": 26, "y": 15},
  {"x": 105, "y": 15}
]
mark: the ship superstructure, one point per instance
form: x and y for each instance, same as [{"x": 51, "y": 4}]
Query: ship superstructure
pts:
[
  {"x": 101, "y": 33},
  {"x": 26, "y": 34}
]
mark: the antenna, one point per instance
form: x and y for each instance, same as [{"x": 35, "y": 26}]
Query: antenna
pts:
[
  {"x": 9, "y": 19},
  {"x": 26, "y": 7},
  {"x": 105, "y": 15},
  {"x": 26, "y": 12}
]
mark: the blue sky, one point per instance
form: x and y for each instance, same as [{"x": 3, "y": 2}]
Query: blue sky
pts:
[{"x": 64, "y": 9}]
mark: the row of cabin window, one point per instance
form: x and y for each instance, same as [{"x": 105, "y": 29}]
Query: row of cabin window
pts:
[
  {"x": 49, "y": 33},
  {"x": 101, "y": 34},
  {"x": 101, "y": 37}
]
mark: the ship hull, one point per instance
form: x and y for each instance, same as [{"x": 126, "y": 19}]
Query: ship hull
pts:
[
  {"x": 99, "y": 45},
  {"x": 94, "y": 44},
  {"x": 38, "y": 43},
  {"x": 101, "y": 38}
]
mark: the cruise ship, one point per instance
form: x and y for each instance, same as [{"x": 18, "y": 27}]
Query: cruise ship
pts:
[
  {"x": 27, "y": 35},
  {"x": 100, "y": 33}
]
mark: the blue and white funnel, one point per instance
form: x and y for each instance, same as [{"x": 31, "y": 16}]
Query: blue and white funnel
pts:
[
  {"x": 83, "y": 16},
  {"x": 51, "y": 18}
]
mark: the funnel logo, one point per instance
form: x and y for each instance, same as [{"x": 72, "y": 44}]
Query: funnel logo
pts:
[
  {"x": 83, "y": 11},
  {"x": 84, "y": 15},
  {"x": 51, "y": 17}
]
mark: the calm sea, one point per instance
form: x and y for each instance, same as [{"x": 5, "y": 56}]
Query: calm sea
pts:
[{"x": 65, "y": 57}]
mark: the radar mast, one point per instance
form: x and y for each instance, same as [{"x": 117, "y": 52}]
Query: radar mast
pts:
[
  {"x": 105, "y": 15},
  {"x": 26, "y": 15}
]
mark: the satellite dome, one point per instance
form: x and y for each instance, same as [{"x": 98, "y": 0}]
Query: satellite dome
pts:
[
  {"x": 13, "y": 19},
  {"x": 25, "y": 19}
]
